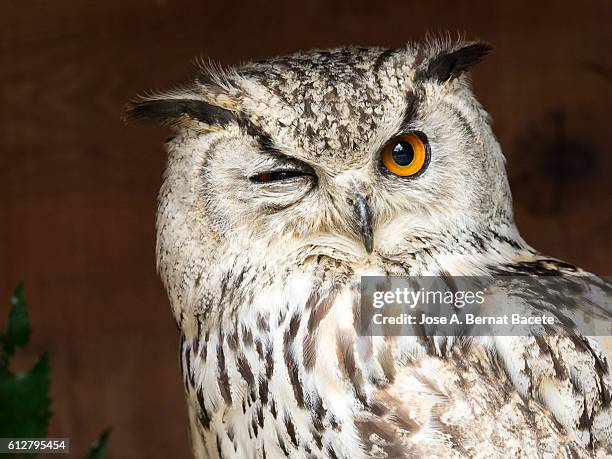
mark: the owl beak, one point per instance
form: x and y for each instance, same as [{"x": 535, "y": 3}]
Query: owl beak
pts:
[{"x": 364, "y": 220}]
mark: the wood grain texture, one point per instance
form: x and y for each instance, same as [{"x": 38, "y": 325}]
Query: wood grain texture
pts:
[{"x": 78, "y": 187}]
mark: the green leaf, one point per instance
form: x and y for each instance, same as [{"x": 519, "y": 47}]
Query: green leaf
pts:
[
  {"x": 18, "y": 331},
  {"x": 25, "y": 405},
  {"x": 99, "y": 449}
]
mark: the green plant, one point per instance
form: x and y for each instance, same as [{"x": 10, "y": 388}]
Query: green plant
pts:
[{"x": 25, "y": 403}]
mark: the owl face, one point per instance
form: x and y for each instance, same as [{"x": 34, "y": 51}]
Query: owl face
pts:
[{"x": 362, "y": 152}]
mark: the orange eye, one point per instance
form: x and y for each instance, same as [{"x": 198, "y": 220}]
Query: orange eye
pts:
[{"x": 405, "y": 155}]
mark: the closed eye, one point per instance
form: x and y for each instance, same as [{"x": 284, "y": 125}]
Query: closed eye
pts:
[{"x": 278, "y": 175}]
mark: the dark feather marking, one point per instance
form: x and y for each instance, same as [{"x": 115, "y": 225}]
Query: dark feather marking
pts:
[
  {"x": 204, "y": 348},
  {"x": 427, "y": 382},
  {"x": 168, "y": 110},
  {"x": 318, "y": 311},
  {"x": 219, "y": 451},
  {"x": 385, "y": 358},
  {"x": 470, "y": 131},
  {"x": 382, "y": 58},
  {"x": 245, "y": 370},
  {"x": 262, "y": 324},
  {"x": 264, "y": 140},
  {"x": 334, "y": 423},
  {"x": 307, "y": 111},
  {"x": 541, "y": 267},
  {"x": 269, "y": 360},
  {"x": 602, "y": 368},
  {"x": 331, "y": 452},
  {"x": 411, "y": 110},
  {"x": 317, "y": 410},
  {"x": 404, "y": 422},
  {"x": 292, "y": 367},
  {"x": 188, "y": 369},
  {"x": 232, "y": 340},
  {"x": 511, "y": 242},
  {"x": 321, "y": 309},
  {"x": 240, "y": 278},
  {"x": 424, "y": 340},
  {"x": 182, "y": 359},
  {"x": 579, "y": 343},
  {"x": 313, "y": 299},
  {"x": 291, "y": 430},
  {"x": 259, "y": 349},
  {"x": 601, "y": 363},
  {"x": 370, "y": 429},
  {"x": 198, "y": 334},
  {"x": 455, "y": 436},
  {"x": 318, "y": 439},
  {"x": 223, "y": 383},
  {"x": 247, "y": 336},
  {"x": 224, "y": 282},
  {"x": 309, "y": 351},
  {"x": 231, "y": 436},
  {"x": 379, "y": 62},
  {"x": 203, "y": 415},
  {"x": 346, "y": 362},
  {"x": 528, "y": 413},
  {"x": 254, "y": 426},
  {"x": 263, "y": 390},
  {"x": 378, "y": 408},
  {"x": 281, "y": 444},
  {"x": 281, "y": 318},
  {"x": 574, "y": 454},
  {"x": 401, "y": 415},
  {"x": 560, "y": 370},
  {"x": 294, "y": 325},
  {"x": 586, "y": 421}
]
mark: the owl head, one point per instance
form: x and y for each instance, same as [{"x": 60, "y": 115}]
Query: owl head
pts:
[{"x": 351, "y": 153}]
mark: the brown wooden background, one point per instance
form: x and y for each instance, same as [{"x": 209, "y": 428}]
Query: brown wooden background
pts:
[{"x": 78, "y": 187}]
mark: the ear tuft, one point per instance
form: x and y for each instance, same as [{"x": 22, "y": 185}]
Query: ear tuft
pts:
[
  {"x": 449, "y": 65},
  {"x": 173, "y": 110}
]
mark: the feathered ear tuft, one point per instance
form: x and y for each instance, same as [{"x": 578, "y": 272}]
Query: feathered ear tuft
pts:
[
  {"x": 179, "y": 107},
  {"x": 448, "y": 65},
  {"x": 210, "y": 100},
  {"x": 173, "y": 110}
]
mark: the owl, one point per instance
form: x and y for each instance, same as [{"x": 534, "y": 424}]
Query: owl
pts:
[{"x": 288, "y": 180}]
